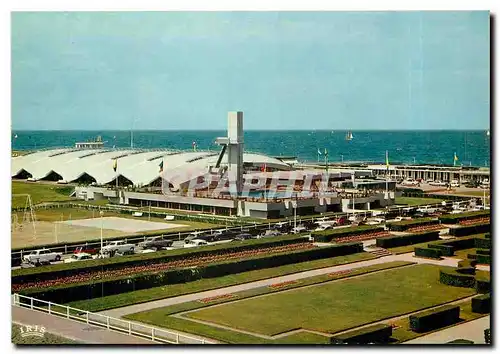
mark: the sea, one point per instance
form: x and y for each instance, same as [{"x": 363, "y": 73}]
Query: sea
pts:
[{"x": 472, "y": 148}]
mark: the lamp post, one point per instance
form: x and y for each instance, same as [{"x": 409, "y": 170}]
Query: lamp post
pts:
[{"x": 101, "y": 214}]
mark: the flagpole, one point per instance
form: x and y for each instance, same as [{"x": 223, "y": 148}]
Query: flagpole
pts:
[{"x": 387, "y": 172}]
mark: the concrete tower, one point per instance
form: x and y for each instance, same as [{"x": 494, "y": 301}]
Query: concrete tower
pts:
[{"x": 233, "y": 143}]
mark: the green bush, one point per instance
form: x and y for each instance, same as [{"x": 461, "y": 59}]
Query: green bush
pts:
[
  {"x": 65, "y": 269},
  {"x": 74, "y": 292},
  {"x": 459, "y": 244},
  {"x": 436, "y": 318},
  {"x": 481, "y": 303},
  {"x": 328, "y": 235},
  {"x": 483, "y": 259},
  {"x": 470, "y": 230},
  {"x": 379, "y": 333},
  {"x": 483, "y": 286},
  {"x": 453, "y": 278},
  {"x": 461, "y": 341},
  {"x": 467, "y": 263},
  {"x": 488, "y": 235},
  {"x": 407, "y": 224},
  {"x": 427, "y": 252},
  {"x": 404, "y": 240},
  {"x": 466, "y": 270},
  {"x": 485, "y": 251},
  {"x": 456, "y": 218},
  {"x": 446, "y": 250},
  {"x": 483, "y": 243}
]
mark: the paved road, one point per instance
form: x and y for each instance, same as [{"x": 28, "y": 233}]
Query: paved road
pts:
[
  {"x": 122, "y": 311},
  {"x": 71, "y": 329},
  {"x": 473, "y": 330}
]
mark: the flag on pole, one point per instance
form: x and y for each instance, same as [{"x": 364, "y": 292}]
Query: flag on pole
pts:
[
  {"x": 326, "y": 152},
  {"x": 161, "y": 166},
  {"x": 455, "y": 159},
  {"x": 319, "y": 152},
  {"x": 387, "y": 159},
  {"x": 115, "y": 165}
]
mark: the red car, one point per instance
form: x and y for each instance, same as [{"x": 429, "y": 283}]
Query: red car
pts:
[{"x": 86, "y": 249}]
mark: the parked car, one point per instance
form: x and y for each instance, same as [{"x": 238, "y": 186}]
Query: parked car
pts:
[
  {"x": 298, "y": 229},
  {"x": 43, "y": 255},
  {"x": 117, "y": 246},
  {"x": 86, "y": 249},
  {"x": 270, "y": 233},
  {"x": 156, "y": 242},
  {"x": 195, "y": 243},
  {"x": 323, "y": 227},
  {"x": 76, "y": 257},
  {"x": 243, "y": 237}
]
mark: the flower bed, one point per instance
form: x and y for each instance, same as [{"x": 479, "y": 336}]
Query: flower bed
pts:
[
  {"x": 282, "y": 285},
  {"x": 208, "y": 300},
  {"x": 363, "y": 237},
  {"x": 425, "y": 228},
  {"x": 183, "y": 263},
  {"x": 474, "y": 221}
]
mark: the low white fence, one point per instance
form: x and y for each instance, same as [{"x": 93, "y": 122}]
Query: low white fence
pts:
[{"x": 127, "y": 327}]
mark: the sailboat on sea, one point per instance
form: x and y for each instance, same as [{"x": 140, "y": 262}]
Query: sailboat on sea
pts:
[
  {"x": 348, "y": 136},
  {"x": 487, "y": 133}
]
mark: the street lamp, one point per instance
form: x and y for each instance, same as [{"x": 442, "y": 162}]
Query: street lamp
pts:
[{"x": 101, "y": 214}]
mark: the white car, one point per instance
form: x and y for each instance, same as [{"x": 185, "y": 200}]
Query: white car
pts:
[
  {"x": 323, "y": 227},
  {"x": 42, "y": 256},
  {"x": 117, "y": 246},
  {"x": 195, "y": 243},
  {"x": 78, "y": 257},
  {"x": 298, "y": 229}
]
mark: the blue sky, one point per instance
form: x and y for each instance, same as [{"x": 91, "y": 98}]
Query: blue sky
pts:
[{"x": 285, "y": 70}]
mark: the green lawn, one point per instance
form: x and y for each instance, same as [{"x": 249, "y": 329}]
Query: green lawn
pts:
[
  {"x": 337, "y": 306},
  {"x": 48, "y": 338},
  {"x": 39, "y": 193},
  {"x": 139, "y": 296},
  {"x": 412, "y": 201}
]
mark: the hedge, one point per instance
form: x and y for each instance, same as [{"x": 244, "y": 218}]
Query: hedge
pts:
[
  {"x": 483, "y": 286},
  {"x": 453, "y": 278},
  {"x": 328, "y": 235},
  {"x": 483, "y": 259},
  {"x": 487, "y": 335},
  {"x": 404, "y": 240},
  {"x": 481, "y": 303},
  {"x": 459, "y": 244},
  {"x": 466, "y": 270},
  {"x": 467, "y": 263},
  {"x": 470, "y": 230},
  {"x": 460, "y": 341},
  {"x": 406, "y": 224},
  {"x": 456, "y": 218},
  {"x": 428, "y": 252},
  {"x": 484, "y": 243},
  {"x": 379, "y": 333},
  {"x": 488, "y": 235},
  {"x": 446, "y": 250},
  {"x": 485, "y": 251},
  {"x": 73, "y": 292},
  {"x": 65, "y": 269},
  {"x": 436, "y": 318}
]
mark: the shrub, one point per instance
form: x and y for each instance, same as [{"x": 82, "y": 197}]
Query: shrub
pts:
[
  {"x": 427, "y": 252},
  {"x": 74, "y": 292},
  {"x": 459, "y": 244},
  {"x": 461, "y": 341},
  {"x": 404, "y": 240},
  {"x": 436, "y": 318},
  {"x": 483, "y": 259},
  {"x": 407, "y": 224},
  {"x": 485, "y": 251},
  {"x": 481, "y": 303},
  {"x": 483, "y": 286},
  {"x": 488, "y": 235},
  {"x": 446, "y": 250},
  {"x": 483, "y": 243},
  {"x": 470, "y": 230},
  {"x": 467, "y": 263},
  {"x": 329, "y": 235},
  {"x": 487, "y": 336},
  {"x": 453, "y": 278},
  {"x": 379, "y": 333},
  {"x": 466, "y": 270},
  {"x": 456, "y": 218}
]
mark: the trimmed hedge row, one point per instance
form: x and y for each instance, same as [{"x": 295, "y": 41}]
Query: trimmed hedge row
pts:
[
  {"x": 379, "y": 333},
  {"x": 428, "y": 252},
  {"x": 467, "y": 263},
  {"x": 485, "y": 251},
  {"x": 459, "y": 244},
  {"x": 446, "y": 250},
  {"x": 488, "y": 236},
  {"x": 487, "y": 335},
  {"x": 483, "y": 243},
  {"x": 470, "y": 230},
  {"x": 404, "y": 240},
  {"x": 481, "y": 303},
  {"x": 406, "y": 224},
  {"x": 329, "y": 235},
  {"x": 456, "y": 218},
  {"x": 436, "y": 318},
  {"x": 454, "y": 278},
  {"x": 74, "y": 292},
  {"x": 65, "y": 269},
  {"x": 483, "y": 259}
]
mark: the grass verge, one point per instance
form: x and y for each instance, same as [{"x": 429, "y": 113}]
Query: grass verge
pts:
[{"x": 414, "y": 201}]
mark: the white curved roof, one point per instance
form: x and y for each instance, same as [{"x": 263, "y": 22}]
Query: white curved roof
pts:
[{"x": 138, "y": 166}]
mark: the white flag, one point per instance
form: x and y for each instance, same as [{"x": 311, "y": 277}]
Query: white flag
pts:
[{"x": 319, "y": 152}]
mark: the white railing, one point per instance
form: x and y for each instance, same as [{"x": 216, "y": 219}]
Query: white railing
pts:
[{"x": 127, "y": 327}]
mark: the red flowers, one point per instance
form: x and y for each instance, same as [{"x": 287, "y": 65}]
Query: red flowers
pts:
[
  {"x": 282, "y": 285},
  {"x": 336, "y": 274},
  {"x": 417, "y": 229},
  {"x": 362, "y": 237},
  {"x": 474, "y": 221},
  {"x": 188, "y": 261},
  {"x": 216, "y": 298}
]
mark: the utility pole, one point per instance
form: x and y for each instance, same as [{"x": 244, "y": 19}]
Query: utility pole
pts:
[{"x": 101, "y": 213}]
